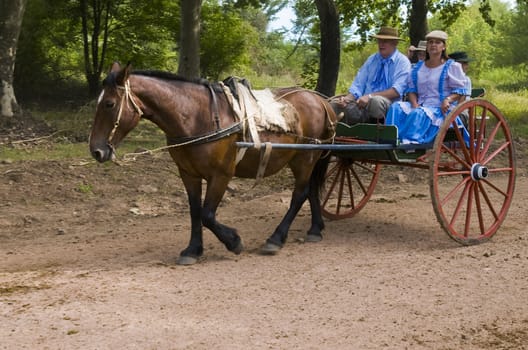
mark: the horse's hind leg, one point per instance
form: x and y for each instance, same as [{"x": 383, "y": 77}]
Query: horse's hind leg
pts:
[
  {"x": 275, "y": 242},
  {"x": 314, "y": 234},
  {"x": 317, "y": 180},
  {"x": 307, "y": 184}
]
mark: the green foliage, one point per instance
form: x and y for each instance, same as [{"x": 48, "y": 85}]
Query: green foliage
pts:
[
  {"x": 145, "y": 32},
  {"x": 512, "y": 36},
  {"x": 224, "y": 41},
  {"x": 50, "y": 48},
  {"x": 48, "y": 53}
]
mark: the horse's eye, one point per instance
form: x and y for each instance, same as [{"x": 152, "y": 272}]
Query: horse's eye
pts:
[{"x": 109, "y": 104}]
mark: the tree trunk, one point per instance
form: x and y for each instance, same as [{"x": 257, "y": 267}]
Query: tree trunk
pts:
[
  {"x": 93, "y": 34},
  {"x": 418, "y": 21},
  {"x": 189, "y": 61},
  {"x": 11, "y": 15},
  {"x": 330, "y": 47}
]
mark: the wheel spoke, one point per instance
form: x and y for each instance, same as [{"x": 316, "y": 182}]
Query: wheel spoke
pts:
[
  {"x": 495, "y": 153},
  {"x": 359, "y": 181},
  {"x": 469, "y": 208},
  {"x": 479, "y": 209},
  {"x": 487, "y": 198},
  {"x": 349, "y": 186},
  {"x": 334, "y": 177},
  {"x": 446, "y": 149},
  {"x": 491, "y": 137},
  {"x": 461, "y": 141},
  {"x": 342, "y": 175},
  {"x": 459, "y": 205},
  {"x": 451, "y": 193},
  {"x": 481, "y": 131}
]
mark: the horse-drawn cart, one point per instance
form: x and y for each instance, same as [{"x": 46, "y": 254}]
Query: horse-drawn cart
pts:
[
  {"x": 471, "y": 169},
  {"x": 471, "y": 163}
]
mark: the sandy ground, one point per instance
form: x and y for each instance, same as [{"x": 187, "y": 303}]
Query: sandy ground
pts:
[{"x": 88, "y": 258}]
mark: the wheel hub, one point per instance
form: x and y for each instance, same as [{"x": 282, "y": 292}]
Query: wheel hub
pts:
[{"x": 479, "y": 172}]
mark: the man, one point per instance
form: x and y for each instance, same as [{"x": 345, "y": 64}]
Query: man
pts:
[
  {"x": 415, "y": 54},
  {"x": 462, "y": 58},
  {"x": 380, "y": 81},
  {"x": 420, "y": 50}
]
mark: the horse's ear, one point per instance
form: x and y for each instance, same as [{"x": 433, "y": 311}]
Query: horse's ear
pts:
[
  {"x": 122, "y": 75},
  {"x": 115, "y": 67}
]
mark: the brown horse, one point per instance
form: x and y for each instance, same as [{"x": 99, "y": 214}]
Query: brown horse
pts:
[{"x": 202, "y": 131}]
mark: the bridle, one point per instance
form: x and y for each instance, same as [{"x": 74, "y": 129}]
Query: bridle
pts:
[{"x": 126, "y": 96}]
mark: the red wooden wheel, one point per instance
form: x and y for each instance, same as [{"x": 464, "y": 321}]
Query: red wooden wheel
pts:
[
  {"x": 472, "y": 176},
  {"x": 348, "y": 187}
]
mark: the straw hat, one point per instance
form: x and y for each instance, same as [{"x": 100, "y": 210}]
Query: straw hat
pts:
[
  {"x": 387, "y": 33},
  {"x": 437, "y": 34}
]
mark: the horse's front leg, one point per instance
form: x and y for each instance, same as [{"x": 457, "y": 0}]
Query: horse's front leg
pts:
[
  {"x": 216, "y": 187},
  {"x": 194, "y": 250}
]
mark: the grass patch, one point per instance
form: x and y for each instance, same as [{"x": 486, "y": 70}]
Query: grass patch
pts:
[{"x": 65, "y": 144}]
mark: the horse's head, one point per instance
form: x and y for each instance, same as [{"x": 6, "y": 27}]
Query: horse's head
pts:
[{"x": 117, "y": 113}]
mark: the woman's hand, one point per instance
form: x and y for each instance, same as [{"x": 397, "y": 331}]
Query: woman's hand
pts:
[{"x": 446, "y": 104}]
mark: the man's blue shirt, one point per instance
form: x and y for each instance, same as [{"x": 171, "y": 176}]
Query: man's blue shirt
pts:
[{"x": 398, "y": 71}]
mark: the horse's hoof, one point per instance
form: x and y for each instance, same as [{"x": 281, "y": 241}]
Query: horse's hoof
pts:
[
  {"x": 270, "y": 249},
  {"x": 187, "y": 260},
  {"x": 239, "y": 248},
  {"x": 313, "y": 238}
]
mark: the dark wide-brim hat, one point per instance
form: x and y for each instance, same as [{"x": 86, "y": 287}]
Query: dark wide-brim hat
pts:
[
  {"x": 388, "y": 33},
  {"x": 460, "y": 56}
]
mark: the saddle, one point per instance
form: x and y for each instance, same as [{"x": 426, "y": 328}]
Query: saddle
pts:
[{"x": 260, "y": 109}]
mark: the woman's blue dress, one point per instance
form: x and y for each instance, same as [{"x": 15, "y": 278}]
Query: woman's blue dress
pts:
[{"x": 432, "y": 85}]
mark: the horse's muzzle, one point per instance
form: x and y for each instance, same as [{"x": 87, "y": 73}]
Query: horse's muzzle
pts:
[{"x": 102, "y": 154}]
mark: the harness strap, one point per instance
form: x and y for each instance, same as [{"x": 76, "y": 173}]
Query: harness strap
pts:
[
  {"x": 264, "y": 159},
  {"x": 214, "y": 106},
  {"x": 209, "y": 137}
]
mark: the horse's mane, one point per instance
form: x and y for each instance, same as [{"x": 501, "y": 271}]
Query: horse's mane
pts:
[
  {"x": 170, "y": 76},
  {"x": 110, "y": 79}
]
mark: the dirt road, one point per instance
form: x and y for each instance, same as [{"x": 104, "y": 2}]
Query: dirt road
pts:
[{"x": 88, "y": 262}]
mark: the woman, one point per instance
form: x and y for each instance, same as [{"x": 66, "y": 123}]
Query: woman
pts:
[{"x": 434, "y": 87}]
